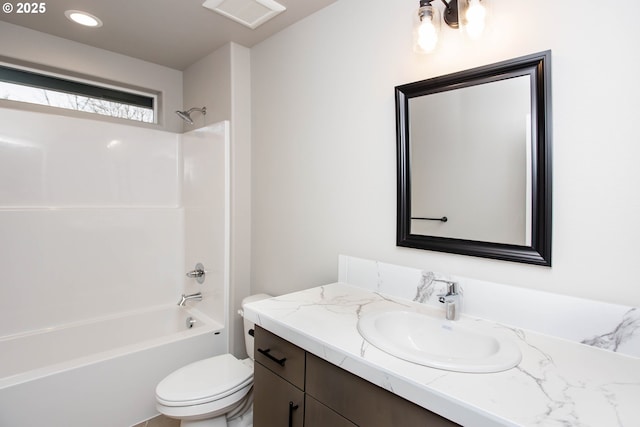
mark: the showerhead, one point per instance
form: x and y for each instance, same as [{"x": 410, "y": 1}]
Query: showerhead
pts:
[{"x": 186, "y": 115}]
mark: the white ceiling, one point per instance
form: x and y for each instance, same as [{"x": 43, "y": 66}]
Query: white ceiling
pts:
[{"x": 174, "y": 33}]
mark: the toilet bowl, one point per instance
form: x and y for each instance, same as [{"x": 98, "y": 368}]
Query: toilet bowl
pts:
[{"x": 214, "y": 392}]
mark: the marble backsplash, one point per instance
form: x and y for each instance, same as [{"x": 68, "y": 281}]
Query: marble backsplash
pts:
[{"x": 608, "y": 326}]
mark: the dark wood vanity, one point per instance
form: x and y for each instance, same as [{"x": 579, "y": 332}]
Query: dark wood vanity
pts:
[{"x": 295, "y": 388}]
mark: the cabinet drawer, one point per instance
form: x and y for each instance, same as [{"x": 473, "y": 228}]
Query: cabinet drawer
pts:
[
  {"x": 276, "y": 402},
  {"x": 362, "y": 402},
  {"x": 280, "y": 356}
]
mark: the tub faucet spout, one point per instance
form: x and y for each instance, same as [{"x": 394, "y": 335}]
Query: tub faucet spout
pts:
[{"x": 184, "y": 298}]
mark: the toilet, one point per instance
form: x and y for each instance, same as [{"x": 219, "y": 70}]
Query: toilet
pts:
[{"x": 214, "y": 392}]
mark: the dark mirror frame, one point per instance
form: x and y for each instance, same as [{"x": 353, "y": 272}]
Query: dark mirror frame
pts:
[{"x": 538, "y": 67}]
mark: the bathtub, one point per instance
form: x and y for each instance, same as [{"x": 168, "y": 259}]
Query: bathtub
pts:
[{"x": 101, "y": 372}]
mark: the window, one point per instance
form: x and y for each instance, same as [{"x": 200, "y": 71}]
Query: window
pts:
[{"x": 27, "y": 86}]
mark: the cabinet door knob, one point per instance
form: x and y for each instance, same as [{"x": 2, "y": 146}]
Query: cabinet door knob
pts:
[
  {"x": 292, "y": 408},
  {"x": 268, "y": 354}
]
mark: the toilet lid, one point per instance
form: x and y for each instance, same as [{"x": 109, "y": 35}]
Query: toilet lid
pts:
[{"x": 204, "y": 381}]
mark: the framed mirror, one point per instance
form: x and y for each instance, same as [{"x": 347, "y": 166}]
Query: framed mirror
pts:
[{"x": 474, "y": 161}]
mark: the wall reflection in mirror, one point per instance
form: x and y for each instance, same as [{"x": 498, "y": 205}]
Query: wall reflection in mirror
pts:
[
  {"x": 468, "y": 170},
  {"x": 474, "y": 162}
]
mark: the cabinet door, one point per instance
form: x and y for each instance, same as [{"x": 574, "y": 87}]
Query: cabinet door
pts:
[
  {"x": 277, "y": 403},
  {"x": 318, "y": 415}
]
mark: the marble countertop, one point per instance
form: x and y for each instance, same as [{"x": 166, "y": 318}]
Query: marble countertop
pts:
[{"x": 557, "y": 383}]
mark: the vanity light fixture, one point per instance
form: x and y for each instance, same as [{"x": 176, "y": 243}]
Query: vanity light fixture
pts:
[
  {"x": 470, "y": 15},
  {"x": 83, "y": 18}
]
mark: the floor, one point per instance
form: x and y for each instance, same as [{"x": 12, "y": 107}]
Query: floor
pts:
[{"x": 159, "y": 421}]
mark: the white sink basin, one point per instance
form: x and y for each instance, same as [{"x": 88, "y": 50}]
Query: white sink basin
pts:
[{"x": 437, "y": 343}]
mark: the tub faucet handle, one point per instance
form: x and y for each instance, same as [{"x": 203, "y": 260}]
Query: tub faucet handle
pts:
[{"x": 198, "y": 273}]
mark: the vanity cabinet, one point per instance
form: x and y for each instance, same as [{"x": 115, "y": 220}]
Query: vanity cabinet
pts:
[{"x": 296, "y": 388}]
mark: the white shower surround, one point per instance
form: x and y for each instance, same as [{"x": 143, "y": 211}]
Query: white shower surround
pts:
[{"x": 99, "y": 219}]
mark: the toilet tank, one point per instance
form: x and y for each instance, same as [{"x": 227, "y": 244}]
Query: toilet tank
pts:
[{"x": 248, "y": 325}]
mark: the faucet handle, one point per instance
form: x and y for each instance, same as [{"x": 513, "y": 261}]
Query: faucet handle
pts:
[
  {"x": 198, "y": 273},
  {"x": 453, "y": 288}
]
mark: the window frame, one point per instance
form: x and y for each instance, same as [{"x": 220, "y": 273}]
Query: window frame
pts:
[{"x": 61, "y": 82}]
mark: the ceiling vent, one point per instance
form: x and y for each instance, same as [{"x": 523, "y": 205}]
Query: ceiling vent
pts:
[{"x": 251, "y": 13}]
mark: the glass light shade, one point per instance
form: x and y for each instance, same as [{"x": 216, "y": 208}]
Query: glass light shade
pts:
[
  {"x": 474, "y": 17},
  {"x": 426, "y": 29}
]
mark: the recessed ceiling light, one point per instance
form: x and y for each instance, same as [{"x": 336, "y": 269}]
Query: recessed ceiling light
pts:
[{"x": 83, "y": 18}]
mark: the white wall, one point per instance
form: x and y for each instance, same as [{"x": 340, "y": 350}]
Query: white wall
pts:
[
  {"x": 241, "y": 190},
  {"x": 49, "y": 52},
  {"x": 324, "y": 171},
  {"x": 207, "y": 83}
]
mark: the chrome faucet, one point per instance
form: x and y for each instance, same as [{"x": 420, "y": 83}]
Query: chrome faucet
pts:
[
  {"x": 198, "y": 273},
  {"x": 452, "y": 300},
  {"x": 196, "y": 297}
]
